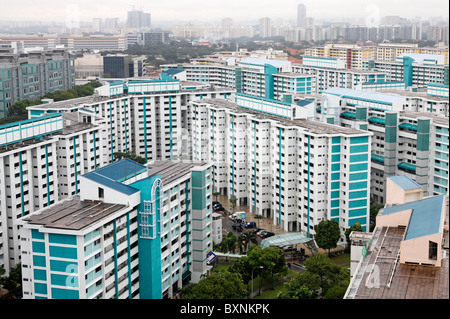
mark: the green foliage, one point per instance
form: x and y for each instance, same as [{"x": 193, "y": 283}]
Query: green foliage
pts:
[
  {"x": 228, "y": 244},
  {"x": 18, "y": 111},
  {"x": 14, "y": 279},
  {"x": 336, "y": 292},
  {"x": 249, "y": 238},
  {"x": 218, "y": 285},
  {"x": 79, "y": 91},
  {"x": 265, "y": 263},
  {"x": 132, "y": 156},
  {"x": 304, "y": 286},
  {"x": 329, "y": 273},
  {"x": 327, "y": 234},
  {"x": 233, "y": 200},
  {"x": 322, "y": 279},
  {"x": 243, "y": 268},
  {"x": 216, "y": 194}
]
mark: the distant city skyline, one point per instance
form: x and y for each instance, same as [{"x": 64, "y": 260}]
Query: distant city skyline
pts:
[{"x": 215, "y": 10}]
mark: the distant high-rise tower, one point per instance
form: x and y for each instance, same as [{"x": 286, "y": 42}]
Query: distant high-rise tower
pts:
[
  {"x": 138, "y": 20},
  {"x": 301, "y": 15},
  {"x": 265, "y": 28},
  {"x": 227, "y": 24}
]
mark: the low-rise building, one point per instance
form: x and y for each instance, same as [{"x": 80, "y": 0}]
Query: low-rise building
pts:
[{"x": 406, "y": 256}]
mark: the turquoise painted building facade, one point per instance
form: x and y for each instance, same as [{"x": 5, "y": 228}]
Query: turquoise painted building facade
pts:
[
  {"x": 34, "y": 76},
  {"x": 133, "y": 232}
]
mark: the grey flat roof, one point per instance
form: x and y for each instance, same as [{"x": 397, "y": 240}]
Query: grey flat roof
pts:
[
  {"x": 423, "y": 95},
  {"x": 68, "y": 104},
  {"x": 311, "y": 126},
  {"x": 171, "y": 171},
  {"x": 73, "y": 214},
  {"x": 408, "y": 281},
  {"x": 438, "y": 119}
]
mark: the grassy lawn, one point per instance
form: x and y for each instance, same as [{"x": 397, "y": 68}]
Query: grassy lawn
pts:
[
  {"x": 270, "y": 293},
  {"x": 342, "y": 260}
]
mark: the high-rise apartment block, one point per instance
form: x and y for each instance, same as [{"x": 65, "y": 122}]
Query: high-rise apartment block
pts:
[
  {"x": 265, "y": 27},
  {"x": 34, "y": 76},
  {"x": 301, "y": 15},
  {"x": 297, "y": 172},
  {"x": 84, "y": 134},
  {"x": 406, "y": 140},
  {"x": 137, "y": 19},
  {"x": 133, "y": 231},
  {"x": 41, "y": 162}
]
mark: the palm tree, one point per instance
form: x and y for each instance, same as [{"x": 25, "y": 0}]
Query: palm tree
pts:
[
  {"x": 249, "y": 237},
  {"x": 215, "y": 194},
  {"x": 241, "y": 243},
  {"x": 258, "y": 217},
  {"x": 233, "y": 200}
]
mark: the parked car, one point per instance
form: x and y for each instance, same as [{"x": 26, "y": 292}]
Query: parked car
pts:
[
  {"x": 261, "y": 233},
  {"x": 218, "y": 207},
  {"x": 288, "y": 248},
  {"x": 250, "y": 225},
  {"x": 267, "y": 234}
]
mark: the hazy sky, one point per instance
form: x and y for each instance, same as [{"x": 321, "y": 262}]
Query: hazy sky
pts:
[{"x": 240, "y": 10}]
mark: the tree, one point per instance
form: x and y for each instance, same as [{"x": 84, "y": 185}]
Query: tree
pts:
[
  {"x": 273, "y": 262},
  {"x": 243, "y": 268},
  {"x": 216, "y": 194},
  {"x": 13, "y": 281},
  {"x": 228, "y": 244},
  {"x": 258, "y": 217},
  {"x": 304, "y": 286},
  {"x": 233, "y": 201},
  {"x": 20, "y": 108},
  {"x": 132, "y": 156},
  {"x": 249, "y": 237},
  {"x": 348, "y": 231},
  {"x": 329, "y": 273},
  {"x": 327, "y": 234},
  {"x": 336, "y": 292},
  {"x": 218, "y": 285}
]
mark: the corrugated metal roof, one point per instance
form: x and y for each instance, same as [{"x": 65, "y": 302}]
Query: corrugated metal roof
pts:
[
  {"x": 425, "y": 218},
  {"x": 364, "y": 95},
  {"x": 259, "y": 61},
  {"x": 285, "y": 240},
  {"x": 113, "y": 174},
  {"x": 404, "y": 182}
]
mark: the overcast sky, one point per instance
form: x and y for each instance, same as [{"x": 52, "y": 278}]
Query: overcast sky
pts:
[{"x": 201, "y": 10}]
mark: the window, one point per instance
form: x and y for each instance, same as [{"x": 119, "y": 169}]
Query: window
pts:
[
  {"x": 101, "y": 193},
  {"x": 432, "y": 250}
]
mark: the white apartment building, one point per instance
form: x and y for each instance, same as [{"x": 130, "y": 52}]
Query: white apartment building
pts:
[
  {"x": 41, "y": 161},
  {"x": 148, "y": 119},
  {"x": 407, "y": 139},
  {"x": 297, "y": 172},
  {"x": 133, "y": 232}
]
